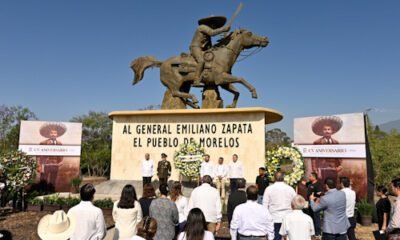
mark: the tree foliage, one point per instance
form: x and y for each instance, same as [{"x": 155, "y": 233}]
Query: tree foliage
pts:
[
  {"x": 385, "y": 152},
  {"x": 96, "y": 143},
  {"x": 10, "y": 122},
  {"x": 275, "y": 138}
]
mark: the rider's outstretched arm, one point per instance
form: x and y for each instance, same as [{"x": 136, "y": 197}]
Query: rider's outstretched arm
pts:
[{"x": 212, "y": 32}]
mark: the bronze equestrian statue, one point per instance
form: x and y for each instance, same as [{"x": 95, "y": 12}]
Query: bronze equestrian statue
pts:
[{"x": 207, "y": 67}]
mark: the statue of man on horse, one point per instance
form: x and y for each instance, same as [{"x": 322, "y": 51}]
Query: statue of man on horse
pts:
[
  {"x": 201, "y": 42},
  {"x": 207, "y": 66}
]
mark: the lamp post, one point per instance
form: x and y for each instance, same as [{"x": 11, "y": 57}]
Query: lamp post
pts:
[{"x": 370, "y": 171}]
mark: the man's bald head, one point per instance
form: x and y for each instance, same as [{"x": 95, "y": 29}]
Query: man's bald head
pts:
[{"x": 279, "y": 176}]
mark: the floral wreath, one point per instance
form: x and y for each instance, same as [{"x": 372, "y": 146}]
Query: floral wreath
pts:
[
  {"x": 275, "y": 158},
  {"x": 188, "y": 159},
  {"x": 20, "y": 169}
]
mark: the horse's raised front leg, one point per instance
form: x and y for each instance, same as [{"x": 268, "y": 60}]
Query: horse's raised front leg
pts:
[
  {"x": 228, "y": 78},
  {"x": 230, "y": 88},
  {"x": 186, "y": 96}
]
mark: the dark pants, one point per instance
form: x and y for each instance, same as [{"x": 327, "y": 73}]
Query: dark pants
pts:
[
  {"x": 350, "y": 232},
  {"x": 146, "y": 180},
  {"x": 233, "y": 184},
  {"x": 243, "y": 237},
  {"x": 277, "y": 227},
  {"x": 163, "y": 180},
  {"x": 329, "y": 236},
  {"x": 316, "y": 217},
  {"x": 50, "y": 175},
  {"x": 180, "y": 228}
]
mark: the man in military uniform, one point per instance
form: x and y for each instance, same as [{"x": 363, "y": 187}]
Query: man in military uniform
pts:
[
  {"x": 208, "y": 27},
  {"x": 163, "y": 169}
]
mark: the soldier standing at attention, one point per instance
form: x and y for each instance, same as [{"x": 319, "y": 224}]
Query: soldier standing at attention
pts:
[{"x": 163, "y": 169}]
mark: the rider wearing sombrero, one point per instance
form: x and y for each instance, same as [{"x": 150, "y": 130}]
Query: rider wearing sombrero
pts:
[{"x": 208, "y": 27}]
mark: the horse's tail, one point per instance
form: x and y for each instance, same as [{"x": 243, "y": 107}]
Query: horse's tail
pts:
[{"x": 140, "y": 64}]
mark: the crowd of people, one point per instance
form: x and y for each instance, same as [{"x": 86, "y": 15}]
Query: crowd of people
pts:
[{"x": 260, "y": 211}]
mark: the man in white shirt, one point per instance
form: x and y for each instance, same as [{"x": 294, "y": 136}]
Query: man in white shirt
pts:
[
  {"x": 277, "y": 199},
  {"x": 206, "y": 168},
  {"x": 208, "y": 200},
  {"x": 251, "y": 220},
  {"x": 235, "y": 172},
  {"x": 220, "y": 173},
  {"x": 350, "y": 205},
  {"x": 147, "y": 169},
  {"x": 90, "y": 219},
  {"x": 296, "y": 225},
  {"x": 395, "y": 218}
]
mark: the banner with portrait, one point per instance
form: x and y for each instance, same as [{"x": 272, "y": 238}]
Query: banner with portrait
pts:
[
  {"x": 57, "y": 149},
  {"x": 334, "y": 146}
]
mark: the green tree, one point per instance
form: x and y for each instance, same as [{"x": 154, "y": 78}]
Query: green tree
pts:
[
  {"x": 96, "y": 143},
  {"x": 10, "y": 122},
  {"x": 385, "y": 152},
  {"x": 275, "y": 138}
]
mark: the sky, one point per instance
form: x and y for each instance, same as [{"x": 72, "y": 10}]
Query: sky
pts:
[{"x": 65, "y": 58}]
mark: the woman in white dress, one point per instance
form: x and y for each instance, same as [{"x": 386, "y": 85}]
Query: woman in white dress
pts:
[
  {"x": 181, "y": 203},
  {"x": 196, "y": 227},
  {"x": 126, "y": 213}
]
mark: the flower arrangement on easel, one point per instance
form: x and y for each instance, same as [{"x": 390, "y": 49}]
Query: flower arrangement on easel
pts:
[
  {"x": 289, "y": 157},
  {"x": 188, "y": 158}
]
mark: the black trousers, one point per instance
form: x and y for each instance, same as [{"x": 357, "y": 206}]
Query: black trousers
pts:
[
  {"x": 146, "y": 180},
  {"x": 277, "y": 227},
  {"x": 330, "y": 236},
  {"x": 351, "y": 231},
  {"x": 163, "y": 180}
]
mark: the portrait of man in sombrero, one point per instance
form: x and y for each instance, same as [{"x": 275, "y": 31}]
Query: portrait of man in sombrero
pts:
[
  {"x": 49, "y": 165},
  {"x": 325, "y": 127},
  {"x": 52, "y": 131}
]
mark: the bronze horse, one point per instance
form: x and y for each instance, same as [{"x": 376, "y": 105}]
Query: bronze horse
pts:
[{"x": 177, "y": 73}]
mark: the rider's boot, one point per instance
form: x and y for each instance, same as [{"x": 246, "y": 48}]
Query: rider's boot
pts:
[{"x": 197, "y": 78}]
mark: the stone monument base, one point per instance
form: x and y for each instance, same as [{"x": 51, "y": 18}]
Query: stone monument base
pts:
[{"x": 221, "y": 132}]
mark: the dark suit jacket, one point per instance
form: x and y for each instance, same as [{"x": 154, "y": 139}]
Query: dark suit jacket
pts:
[
  {"x": 49, "y": 159},
  {"x": 333, "y": 203},
  {"x": 325, "y": 141},
  {"x": 50, "y": 142},
  {"x": 235, "y": 198}
]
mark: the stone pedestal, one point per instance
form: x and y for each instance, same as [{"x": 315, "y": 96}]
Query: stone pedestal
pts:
[
  {"x": 222, "y": 133},
  {"x": 211, "y": 98}
]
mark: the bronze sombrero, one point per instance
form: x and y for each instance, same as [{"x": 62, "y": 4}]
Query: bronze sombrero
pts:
[
  {"x": 47, "y": 127},
  {"x": 333, "y": 121},
  {"x": 213, "y": 21}
]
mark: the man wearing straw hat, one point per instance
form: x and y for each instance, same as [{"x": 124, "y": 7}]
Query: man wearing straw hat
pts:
[
  {"x": 56, "y": 226},
  {"x": 49, "y": 165}
]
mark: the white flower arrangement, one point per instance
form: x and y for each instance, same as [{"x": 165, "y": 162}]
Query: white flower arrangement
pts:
[
  {"x": 275, "y": 158},
  {"x": 188, "y": 159},
  {"x": 19, "y": 169}
]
